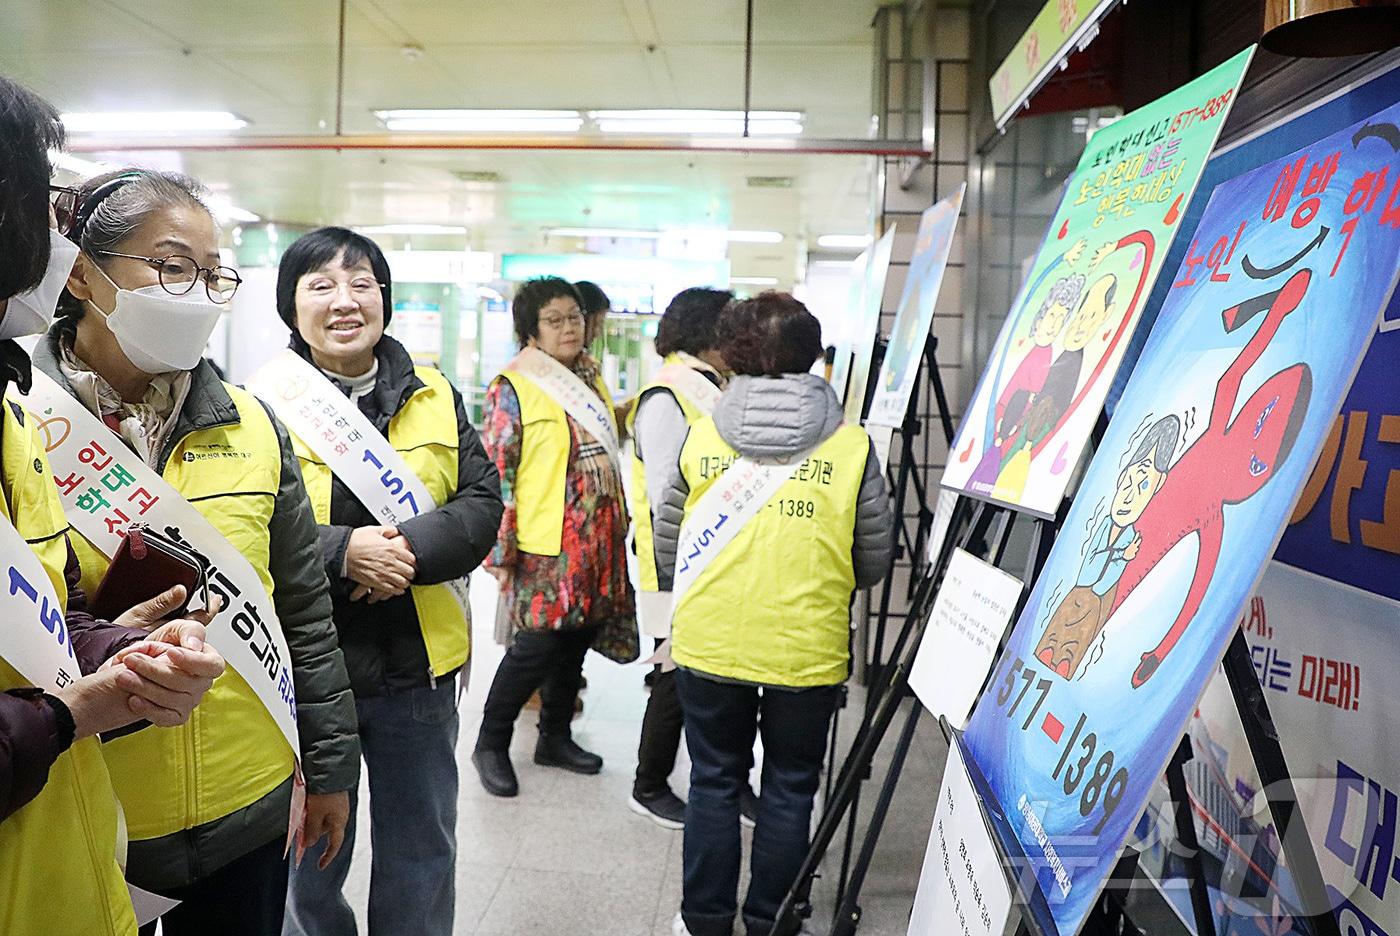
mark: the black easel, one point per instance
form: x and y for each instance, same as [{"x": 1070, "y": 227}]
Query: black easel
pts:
[
  {"x": 887, "y": 693},
  {"x": 906, "y": 476}
]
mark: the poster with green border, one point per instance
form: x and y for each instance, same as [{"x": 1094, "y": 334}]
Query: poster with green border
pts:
[{"x": 1045, "y": 382}]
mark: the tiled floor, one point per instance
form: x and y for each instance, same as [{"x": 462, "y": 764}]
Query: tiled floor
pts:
[{"x": 567, "y": 857}]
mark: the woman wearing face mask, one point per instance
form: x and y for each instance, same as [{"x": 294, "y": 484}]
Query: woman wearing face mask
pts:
[
  {"x": 551, "y": 430},
  {"x": 207, "y": 804},
  {"x": 58, "y": 821},
  {"x": 403, "y": 629}
]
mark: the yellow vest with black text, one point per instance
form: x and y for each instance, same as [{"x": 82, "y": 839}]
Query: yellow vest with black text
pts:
[
  {"x": 773, "y": 606},
  {"x": 544, "y": 465},
  {"x": 230, "y": 754},
  {"x": 637, "y": 491},
  {"x": 424, "y": 432},
  {"x": 58, "y": 853}
]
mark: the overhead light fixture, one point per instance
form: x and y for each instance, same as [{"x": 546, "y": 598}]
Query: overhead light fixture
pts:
[
  {"x": 226, "y": 211},
  {"x": 753, "y": 280},
  {"x": 412, "y": 229},
  {"x": 602, "y": 232},
  {"x": 753, "y": 237},
  {"x": 153, "y": 122},
  {"x": 844, "y": 241},
  {"x": 734, "y": 237},
  {"x": 82, "y": 168},
  {"x": 686, "y": 121},
  {"x": 442, "y": 120}
]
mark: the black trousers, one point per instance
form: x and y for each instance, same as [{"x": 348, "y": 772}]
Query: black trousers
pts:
[
  {"x": 550, "y": 661},
  {"x": 661, "y": 737},
  {"x": 245, "y": 897}
]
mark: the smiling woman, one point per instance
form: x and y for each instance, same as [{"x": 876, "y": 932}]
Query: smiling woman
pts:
[
  {"x": 333, "y": 290},
  {"x": 392, "y": 571}
]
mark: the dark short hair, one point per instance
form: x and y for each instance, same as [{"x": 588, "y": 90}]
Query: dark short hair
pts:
[
  {"x": 592, "y": 298},
  {"x": 533, "y": 295},
  {"x": 769, "y": 335},
  {"x": 310, "y": 252},
  {"x": 111, "y": 206},
  {"x": 1159, "y": 442},
  {"x": 29, "y": 128},
  {"x": 690, "y": 321}
]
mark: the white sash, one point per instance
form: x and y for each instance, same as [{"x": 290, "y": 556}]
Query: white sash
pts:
[
  {"x": 686, "y": 379},
  {"x": 741, "y": 492},
  {"x": 578, "y": 399},
  {"x": 692, "y": 383},
  {"x": 33, "y": 635},
  {"x": 359, "y": 454},
  {"x": 105, "y": 488}
]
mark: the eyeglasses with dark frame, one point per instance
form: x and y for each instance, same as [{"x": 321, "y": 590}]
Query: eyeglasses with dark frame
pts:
[
  {"x": 178, "y": 274},
  {"x": 65, "y": 201}
]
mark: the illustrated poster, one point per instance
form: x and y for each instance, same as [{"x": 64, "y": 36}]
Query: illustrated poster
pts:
[
  {"x": 1183, "y": 503},
  {"x": 1045, "y": 382},
  {"x": 866, "y": 326},
  {"x": 841, "y": 359},
  {"x": 914, "y": 317}
]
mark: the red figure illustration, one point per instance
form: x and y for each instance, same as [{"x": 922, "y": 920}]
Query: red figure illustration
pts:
[{"x": 1228, "y": 464}]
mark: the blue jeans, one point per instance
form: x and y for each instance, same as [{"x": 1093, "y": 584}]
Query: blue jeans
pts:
[
  {"x": 408, "y": 740},
  {"x": 721, "y": 720}
]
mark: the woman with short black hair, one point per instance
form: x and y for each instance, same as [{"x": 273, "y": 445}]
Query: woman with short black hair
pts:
[
  {"x": 682, "y": 391},
  {"x": 551, "y": 429},
  {"x": 761, "y": 622},
  {"x": 403, "y": 629}
]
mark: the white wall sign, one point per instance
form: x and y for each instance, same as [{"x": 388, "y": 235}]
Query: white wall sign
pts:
[{"x": 969, "y": 616}]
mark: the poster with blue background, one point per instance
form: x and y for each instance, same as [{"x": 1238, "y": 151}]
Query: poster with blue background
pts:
[{"x": 1236, "y": 391}]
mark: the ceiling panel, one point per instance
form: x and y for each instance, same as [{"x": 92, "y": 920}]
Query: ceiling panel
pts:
[{"x": 273, "y": 62}]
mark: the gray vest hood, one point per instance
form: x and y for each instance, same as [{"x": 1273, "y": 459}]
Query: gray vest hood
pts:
[{"x": 777, "y": 417}]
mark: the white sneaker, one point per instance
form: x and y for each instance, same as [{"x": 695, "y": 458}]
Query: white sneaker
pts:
[{"x": 678, "y": 926}]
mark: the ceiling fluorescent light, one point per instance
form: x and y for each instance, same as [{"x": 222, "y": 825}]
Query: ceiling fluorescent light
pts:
[
  {"x": 601, "y": 232},
  {"x": 226, "y": 211},
  {"x": 844, "y": 241},
  {"x": 480, "y": 121},
  {"x": 682, "y": 121},
  {"x": 82, "y": 168},
  {"x": 753, "y": 280},
  {"x": 412, "y": 229},
  {"x": 153, "y": 122},
  {"x": 753, "y": 237},
  {"x": 734, "y": 237}
]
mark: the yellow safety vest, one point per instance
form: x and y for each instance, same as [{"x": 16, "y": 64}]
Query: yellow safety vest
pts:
[
  {"x": 773, "y": 606},
  {"x": 58, "y": 854},
  {"x": 230, "y": 754},
  {"x": 544, "y": 465},
  {"x": 637, "y": 492},
  {"x": 424, "y": 433}
]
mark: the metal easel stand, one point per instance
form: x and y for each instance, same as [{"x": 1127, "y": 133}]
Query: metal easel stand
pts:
[
  {"x": 905, "y": 545},
  {"x": 887, "y": 696}
]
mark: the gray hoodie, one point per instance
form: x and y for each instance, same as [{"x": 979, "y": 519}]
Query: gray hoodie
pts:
[{"x": 774, "y": 417}]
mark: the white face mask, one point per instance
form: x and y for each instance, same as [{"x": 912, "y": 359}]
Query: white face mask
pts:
[
  {"x": 160, "y": 333},
  {"x": 31, "y": 312}
]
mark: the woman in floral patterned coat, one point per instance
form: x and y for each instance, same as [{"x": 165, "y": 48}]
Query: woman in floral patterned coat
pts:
[{"x": 564, "y": 584}]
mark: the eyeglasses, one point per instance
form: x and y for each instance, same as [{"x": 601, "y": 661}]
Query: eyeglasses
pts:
[
  {"x": 65, "y": 200},
  {"x": 559, "y": 322},
  {"x": 362, "y": 288},
  {"x": 178, "y": 275}
]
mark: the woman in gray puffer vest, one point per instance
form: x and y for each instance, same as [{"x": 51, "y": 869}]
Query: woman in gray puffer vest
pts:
[{"x": 761, "y": 632}]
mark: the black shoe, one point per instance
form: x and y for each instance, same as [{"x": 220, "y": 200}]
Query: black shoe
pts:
[
  {"x": 496, "y": 773},
  {"x": 562, "y": 751},
  {"x": 666, "y": 809},
  {"x": 748, "y": 807}
]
